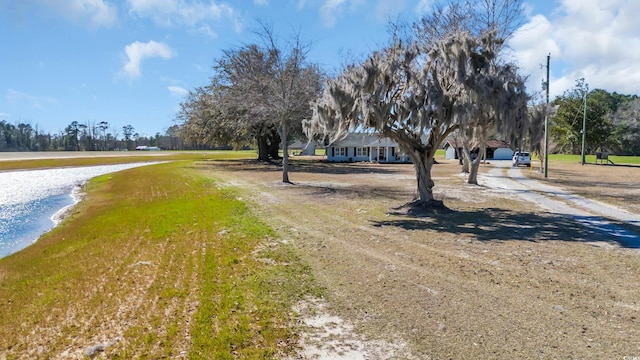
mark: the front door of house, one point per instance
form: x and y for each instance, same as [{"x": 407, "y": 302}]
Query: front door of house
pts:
[{"x": 381, "y": 152}]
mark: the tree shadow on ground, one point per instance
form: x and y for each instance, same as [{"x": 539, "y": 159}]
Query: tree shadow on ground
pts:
[
  {"x": 362, "y": 192},
  {"x": 301, "y": 166},
  {"x": 495, "y": 224},
  {"x": 322, "y": 189}
]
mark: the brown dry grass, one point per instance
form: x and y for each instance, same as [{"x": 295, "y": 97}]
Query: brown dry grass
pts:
[{"x": 496, "y": 279}]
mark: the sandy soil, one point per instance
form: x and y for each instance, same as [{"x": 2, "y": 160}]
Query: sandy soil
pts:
[{"x": 505, "y": 275}]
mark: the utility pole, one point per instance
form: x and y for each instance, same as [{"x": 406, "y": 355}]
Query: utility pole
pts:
[
  {"x": 584, "y": 122},
  {"x": 546, "y": 125}
]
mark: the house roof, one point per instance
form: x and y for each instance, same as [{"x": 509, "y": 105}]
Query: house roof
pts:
[
  {"x": 367, "y": 140},
  {"x": 384, "y": 142},
  {"x": 356, "y": 140},
  {"x": 496, "y": 144}
]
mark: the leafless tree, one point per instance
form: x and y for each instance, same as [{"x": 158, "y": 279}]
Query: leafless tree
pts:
[
  {"x": 292, "y": 86},
  {"x": 263, "y": 91}
]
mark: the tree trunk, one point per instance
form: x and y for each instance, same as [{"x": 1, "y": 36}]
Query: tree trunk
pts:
[
  {"x": 274, "y": 144},
  {"x": 285, "y": 156},
  {"x": 475, "y": 165},
  {"x": 466, "y": 159},
  {"x": 473, "y": 174},
  {"x": 422, "y": 164},
  {"x": 263, "y": 148},
  {"x": 458, "y": 152},
  {"x": 542, "y": 160}
]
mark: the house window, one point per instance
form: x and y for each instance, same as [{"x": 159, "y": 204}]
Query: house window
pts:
[
  {"x": 341, "y": 151},
  {"x": 361, "y": 151}
]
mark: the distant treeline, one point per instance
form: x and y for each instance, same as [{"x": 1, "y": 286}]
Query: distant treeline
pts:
[
  {"x": 88, "y": 137},
  {"x": 612, "y": 124}
]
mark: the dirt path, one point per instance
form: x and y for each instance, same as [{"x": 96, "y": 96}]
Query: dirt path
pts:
[
  {"x": 497, "y": 278},
  {"x": 590, "y": 213}
]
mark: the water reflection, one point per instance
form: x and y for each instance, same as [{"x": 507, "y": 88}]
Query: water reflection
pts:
[{"x": 29, "y": 200}]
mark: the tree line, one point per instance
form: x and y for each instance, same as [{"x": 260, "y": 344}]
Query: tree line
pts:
[{"x": 88, "y": 137}]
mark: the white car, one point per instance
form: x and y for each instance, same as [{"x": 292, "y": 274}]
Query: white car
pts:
[{"x": 521, "y": 158}]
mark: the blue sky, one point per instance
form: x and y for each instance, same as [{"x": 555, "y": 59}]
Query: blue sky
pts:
[{"x": 132, "y": 61}]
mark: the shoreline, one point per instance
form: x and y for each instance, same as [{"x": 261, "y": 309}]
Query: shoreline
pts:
[
  {"x": 51, "y": 186},
  {"x": 77, "y": 194}
]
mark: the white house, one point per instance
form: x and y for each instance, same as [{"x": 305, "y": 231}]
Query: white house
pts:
[
  {"x": 366, "y": 147},
  {"x": 496, "y": 150}
]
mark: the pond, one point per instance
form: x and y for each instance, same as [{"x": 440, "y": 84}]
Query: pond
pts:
[{"x": 31, "y": 199}]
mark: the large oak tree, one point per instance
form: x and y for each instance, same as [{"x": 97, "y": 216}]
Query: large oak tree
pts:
[
  {"x": 419, "y": 96},
  {"x": 261, "y": 90},
  {"x": 501, "y": 18}
]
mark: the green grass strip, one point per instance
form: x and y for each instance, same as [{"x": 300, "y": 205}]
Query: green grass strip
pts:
[
  {"x": 591, "y": 158},
  {"x": 157, "y": 262}
]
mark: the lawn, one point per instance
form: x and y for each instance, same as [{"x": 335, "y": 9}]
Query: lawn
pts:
[{"x": 618, "y": 160}]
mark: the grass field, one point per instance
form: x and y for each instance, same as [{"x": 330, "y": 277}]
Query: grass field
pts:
[
  {"x": 618, "y": 160},
  {"x": 157, "y": 262}
]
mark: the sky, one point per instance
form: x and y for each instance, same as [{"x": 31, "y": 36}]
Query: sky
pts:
[{"x": 131, "y": 62}]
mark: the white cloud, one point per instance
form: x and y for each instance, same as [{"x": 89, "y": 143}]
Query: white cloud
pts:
[
  {"x": 592, "y": 39},
  {"x": 139, "y": 51},
  {"x": 261, "y": 2},
  {"x": 531, "y": 44},
  {"x": 4, "y": 115},
  {"x": 330, "y": 11},
  {"x": 178, "y": 91},
  {"x": 94, "y": 13},
  {"x": 207, "y": 30},
  {"x": 189, "y": 13}
]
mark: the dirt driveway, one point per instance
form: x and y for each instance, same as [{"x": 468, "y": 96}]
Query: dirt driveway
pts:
[
  {"x": 594, "y": 214},
  {"x": 500, "y": 277}
]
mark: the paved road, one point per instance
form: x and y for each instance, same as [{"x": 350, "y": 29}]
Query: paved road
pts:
[{"x": 590, "y": 213}]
